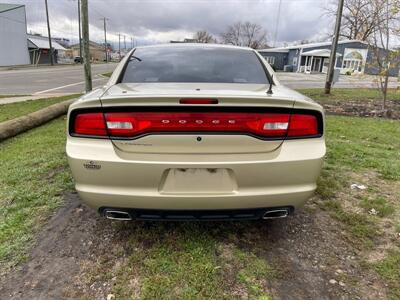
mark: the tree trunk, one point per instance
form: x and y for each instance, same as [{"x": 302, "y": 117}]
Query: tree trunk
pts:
[{"x": 15, "y": 126}]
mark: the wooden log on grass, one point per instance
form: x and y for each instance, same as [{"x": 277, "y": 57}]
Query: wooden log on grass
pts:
[{"x": 21, "y": 124}]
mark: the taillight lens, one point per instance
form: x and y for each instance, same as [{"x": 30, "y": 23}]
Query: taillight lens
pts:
[
  {"x": 90, "y": 124},
  {"x": 303, "y": 125},
  {"x": 133, "y": 124}
]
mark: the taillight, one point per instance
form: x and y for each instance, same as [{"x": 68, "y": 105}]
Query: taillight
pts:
[
  {"x": 303, "y": 125},
  {"x": 90, "y": 124},
  {"x": 134, "y": 124}
]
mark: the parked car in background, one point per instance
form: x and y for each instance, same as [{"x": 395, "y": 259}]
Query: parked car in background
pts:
[
  {"x": 195, "y": 132},
  {"x": 78, "y": 59}
]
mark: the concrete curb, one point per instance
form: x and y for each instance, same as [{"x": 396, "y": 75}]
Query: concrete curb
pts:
[{"x": 18, "y": 125}]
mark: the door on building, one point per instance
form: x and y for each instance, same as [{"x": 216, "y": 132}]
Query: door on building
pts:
[
  {"x": 325, "y": 65},
  {"x": 316, "y": 66}
]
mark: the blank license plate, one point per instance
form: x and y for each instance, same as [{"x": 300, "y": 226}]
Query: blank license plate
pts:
[{"x": 198, "y": 181}]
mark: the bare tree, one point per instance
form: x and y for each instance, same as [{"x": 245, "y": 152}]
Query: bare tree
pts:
[
  {"x": 385, "y": 60},
  {"x": 245, "y": 34},
  {"x": 233, "y": 35},
  {"x": 361, "y": 18},
  {"x": 203, "y": 36}
]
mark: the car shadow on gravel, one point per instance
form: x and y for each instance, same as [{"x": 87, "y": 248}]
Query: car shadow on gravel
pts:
[{"x": 312, "y": 260}]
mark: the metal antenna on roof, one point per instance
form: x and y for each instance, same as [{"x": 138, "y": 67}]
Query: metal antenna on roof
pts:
[{"x": 269, "y": 92}]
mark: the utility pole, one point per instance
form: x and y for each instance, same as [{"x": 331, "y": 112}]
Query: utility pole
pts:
[
  {"x": 278, "y": 15},
  {"x": 85, "y": 42},
  {"x": 48, "y": 32},
  {"x": 80, "y": 31},
  {"x": 131, "y": 42},
  {"x": 119, "y": 45},
  {"x": 332, "y": 59},
  {"x": 105, "y": 38}
]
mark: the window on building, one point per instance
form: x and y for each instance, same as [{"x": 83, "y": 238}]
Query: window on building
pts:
[
  {"x": 354, "y": 61},
  {"x": 270, "y": 59}
]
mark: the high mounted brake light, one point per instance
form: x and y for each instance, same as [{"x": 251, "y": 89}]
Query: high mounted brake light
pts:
[
  {"x": 135, "y": 124},
  {"x": 198, "y": 101}
]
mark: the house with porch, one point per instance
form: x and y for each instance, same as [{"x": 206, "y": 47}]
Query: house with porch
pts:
[{"x": 353, "y": 56}]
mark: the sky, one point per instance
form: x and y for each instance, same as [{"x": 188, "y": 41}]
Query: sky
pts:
[{"x": 159, "y": 21}]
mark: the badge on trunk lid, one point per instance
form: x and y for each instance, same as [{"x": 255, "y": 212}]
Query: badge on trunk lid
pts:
[{"x": 91, "y": 165}]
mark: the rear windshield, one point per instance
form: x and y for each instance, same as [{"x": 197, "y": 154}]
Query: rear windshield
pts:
[{"x": 194, "y": 64}]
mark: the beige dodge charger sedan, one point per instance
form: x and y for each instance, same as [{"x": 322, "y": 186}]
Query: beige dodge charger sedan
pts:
[{"x": 195, "y": 132}]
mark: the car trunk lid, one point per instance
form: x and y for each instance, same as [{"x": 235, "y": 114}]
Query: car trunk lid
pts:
[{"x": 198, "y": 125}]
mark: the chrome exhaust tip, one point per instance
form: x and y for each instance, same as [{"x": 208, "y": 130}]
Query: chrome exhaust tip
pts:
[
  {"x": 117, "y": 215},
  {"x": 276, "y": 214}
]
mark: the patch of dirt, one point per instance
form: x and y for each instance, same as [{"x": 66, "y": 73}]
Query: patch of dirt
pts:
[
  {"x": 365, "y": 108},
  {"x": 56, "y": 258},
  {"x": 312, "y": 259},
  {"x": 351, "y": 199}
]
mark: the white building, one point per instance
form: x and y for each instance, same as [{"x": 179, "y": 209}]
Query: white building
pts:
[
  {"x": 39, "y": 50},
  {"x": 13, "y": 36}
]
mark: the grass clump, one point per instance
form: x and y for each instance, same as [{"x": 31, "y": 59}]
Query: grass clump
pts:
[
  {"x": 186, "y": 261},
  {"x": 253, "y": 273},
  {"x": 108, "y": 74},
  {"x": 380, "y": 204},
  {"x": 360, "y": 229},
  {"x": 389, "y": 269}
]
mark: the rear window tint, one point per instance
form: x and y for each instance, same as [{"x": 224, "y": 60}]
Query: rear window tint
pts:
[{"x": 194, "y": 64}]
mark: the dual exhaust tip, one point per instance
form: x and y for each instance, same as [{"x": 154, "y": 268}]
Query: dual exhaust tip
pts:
[
  {"x": 273, "y": 213},
  {"x": 276, "y": 213},
  {"x": 117, "y": 215}
]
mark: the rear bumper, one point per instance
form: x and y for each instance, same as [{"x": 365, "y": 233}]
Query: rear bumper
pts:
[
  {"x": 127, "y": 214},
  {"x": 284, "y": 177}
]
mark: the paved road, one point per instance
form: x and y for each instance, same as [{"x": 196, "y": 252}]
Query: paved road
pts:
[
  {"x": 50, "y": 80},
  {"x": 69, "y": 79}
]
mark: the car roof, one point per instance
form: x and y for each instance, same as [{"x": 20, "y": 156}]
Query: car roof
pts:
[{"x": 195, "y": 45}]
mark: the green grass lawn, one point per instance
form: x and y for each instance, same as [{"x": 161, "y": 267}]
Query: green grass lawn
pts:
[
  {"x": 33, "y": 176},
  {"x": 18, "y": 109},
  {"x": 189, "y": 260},
  {"x": 361, "y": 146},
  {"x": 358, "y": 144},
  {"x": 340, "y": 94}
]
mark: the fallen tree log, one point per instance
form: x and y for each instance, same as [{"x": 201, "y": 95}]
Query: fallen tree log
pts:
[{"x": 21, "y": 124}]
